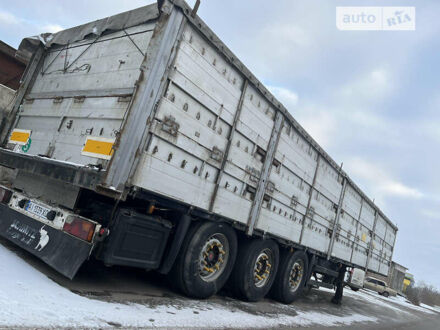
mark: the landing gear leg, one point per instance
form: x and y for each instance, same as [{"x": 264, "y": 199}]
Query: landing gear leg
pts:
[{"x": 337, "y": 299}]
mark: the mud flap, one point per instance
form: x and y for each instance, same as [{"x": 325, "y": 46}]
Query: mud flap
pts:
[{"x": 59, "y": 250}]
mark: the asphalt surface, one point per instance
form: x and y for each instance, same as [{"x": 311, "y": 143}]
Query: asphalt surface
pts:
[{"x": 126, "y": 285}]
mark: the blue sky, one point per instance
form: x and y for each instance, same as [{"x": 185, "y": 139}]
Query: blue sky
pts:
[{"x": 370, "y": 98}]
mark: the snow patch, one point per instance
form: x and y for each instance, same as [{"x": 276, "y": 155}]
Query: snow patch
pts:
[{"x": 30, "y": 299}]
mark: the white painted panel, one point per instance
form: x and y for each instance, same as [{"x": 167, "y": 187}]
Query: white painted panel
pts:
[
  {"x": 359, "y": 256},
  {"x": 64, "y": 126},
  {"x": 367, "y": 216},
  {"x": 282, "y": 221},
  {"x": 316, "y": 237},
  {"x": 112, "y": 62},
  {"x": 352, "y": 202},
  {"x": 162, "y": 172}
]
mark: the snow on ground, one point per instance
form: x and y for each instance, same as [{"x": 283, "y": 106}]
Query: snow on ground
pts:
[
  {"x": 30, "y": 299},
  {"x": 375, "y": 298},
  {"x": 432, "y": 308}
]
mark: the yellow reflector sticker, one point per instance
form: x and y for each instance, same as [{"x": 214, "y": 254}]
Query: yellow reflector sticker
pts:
[
  {"x": 364, "y": 237},
  {"x": 20, "y": 136},
  {"x": 98, "y": 147}
]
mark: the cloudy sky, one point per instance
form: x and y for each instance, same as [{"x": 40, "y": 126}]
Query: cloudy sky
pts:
[{"x": 371, "y": 99}]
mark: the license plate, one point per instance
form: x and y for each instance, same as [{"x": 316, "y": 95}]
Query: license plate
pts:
[{"x": 36, "y": 209}]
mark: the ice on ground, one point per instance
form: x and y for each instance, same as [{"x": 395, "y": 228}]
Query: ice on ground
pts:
[{"x": 30, "y": 299}]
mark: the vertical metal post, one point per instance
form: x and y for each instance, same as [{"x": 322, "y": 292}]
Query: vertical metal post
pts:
[
  {"x": 265, "y": 173},
  {"x": 338, "y": 214},
  {"x": 150, "y": 86},
  {"x": 228, "y": 145},
  {"x": 370, "y": 251},
  {"x": 357, "y": 226},
  {"x": 312, "y": 188},
  {"x": 30, "y": 74},
  {"x": 383, "y": 244}
]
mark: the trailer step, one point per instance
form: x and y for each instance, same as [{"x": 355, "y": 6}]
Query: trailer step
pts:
[
  {"x": 323, "y": 270},
  {"x": 323, "y": 284}
]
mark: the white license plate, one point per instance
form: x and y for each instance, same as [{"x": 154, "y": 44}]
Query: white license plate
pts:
[{"x": 36, "y": 209}]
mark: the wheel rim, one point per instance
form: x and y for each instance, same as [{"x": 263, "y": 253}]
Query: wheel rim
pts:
[
  {"x": 213, "y": 257},
  {"x": 296, "y": 275},
  {"x": 263, "y": 268}
]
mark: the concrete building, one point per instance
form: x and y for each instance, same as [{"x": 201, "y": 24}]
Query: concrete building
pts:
[{"x": 396, "y": 276}]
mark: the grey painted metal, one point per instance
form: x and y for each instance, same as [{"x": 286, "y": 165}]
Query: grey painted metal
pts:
[
  {"x": 207, "y": 85},
  {"x": 357, "y": 227},
  {"x": 336, "y": 222},
  {"x": 228, "y": 146},
  {"x": 150, "y": 85},
  {"x": 265, "y": 171},
  {"x": 236, "y": 63},
  {"x": 29, "y": 76},
  {"x": 312, "y": 188},
  {"x": 370, "y": 245},
  {"x": 85, "y": 93}
]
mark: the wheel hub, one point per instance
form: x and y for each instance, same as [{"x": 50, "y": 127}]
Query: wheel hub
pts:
[
  {"x": 296, "y": 275},
  {"x": 213, "y": 257},
  {"x": 262, "y": 268}
]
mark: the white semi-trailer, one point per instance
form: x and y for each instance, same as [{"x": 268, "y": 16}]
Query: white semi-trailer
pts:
[{"x": 141, "y": 140}]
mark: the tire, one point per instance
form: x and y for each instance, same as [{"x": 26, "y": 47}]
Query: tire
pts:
[
  {"x": 385, "y": 294},
  {"x": 291, "y": 277},
  {"x": 354, "y": 289},
  {"x": 255, "y": 269},
  {"x": 195, "y": 273}
]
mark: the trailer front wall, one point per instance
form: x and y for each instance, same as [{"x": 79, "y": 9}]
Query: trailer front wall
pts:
[
  {"x": 83, "y": 89},
  {"x": 209, "y": 109}
]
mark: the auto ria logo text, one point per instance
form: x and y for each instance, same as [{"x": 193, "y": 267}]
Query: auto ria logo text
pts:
[{"x": 376, "y": 18}]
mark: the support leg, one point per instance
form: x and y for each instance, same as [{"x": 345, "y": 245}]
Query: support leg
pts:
[{"x": 337, "y": 299}]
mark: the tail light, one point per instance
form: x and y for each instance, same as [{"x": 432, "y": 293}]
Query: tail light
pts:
[
  {"x": 5, "y": 195},
  {"x": 80, "y": 228}
]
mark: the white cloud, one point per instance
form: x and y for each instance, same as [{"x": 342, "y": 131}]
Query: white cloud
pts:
[
  {"x": 7, "y": 18},
  {"x": 320, "y": 124},
  {"x": 432, "y": 214},
  {"x": 380, "y": 183},
  {"x": 286, "y": 96},
  {"x": 370, "y": 87},
  {"x": 52, "y": 28}
]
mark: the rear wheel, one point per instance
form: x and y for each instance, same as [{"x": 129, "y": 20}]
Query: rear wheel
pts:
[
  {"x": 354, "y": 289},
  {"x": 386, "y": 294},
  {"x": 205, "y": 260},
  {"x": 291, "y": 277},
  {"x": 255, "y": 269}
]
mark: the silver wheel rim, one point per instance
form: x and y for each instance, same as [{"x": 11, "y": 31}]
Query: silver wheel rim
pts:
[
  {"x": 263, "y": 268},
  {"x": 213, "y": 257},
  {"x": 296, "y": 275}
]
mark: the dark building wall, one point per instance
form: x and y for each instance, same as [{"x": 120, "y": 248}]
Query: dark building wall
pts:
[{"x": 11, "y": 67}]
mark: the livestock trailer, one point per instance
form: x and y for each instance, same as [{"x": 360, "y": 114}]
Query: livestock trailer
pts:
[{"x": 141, "y": 140}]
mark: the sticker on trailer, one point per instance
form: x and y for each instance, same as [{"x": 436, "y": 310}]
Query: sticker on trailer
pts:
[
  {"x": 98, "y": 147},
  {"x": 20, "y": 136}
]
